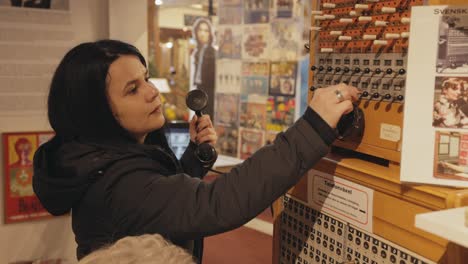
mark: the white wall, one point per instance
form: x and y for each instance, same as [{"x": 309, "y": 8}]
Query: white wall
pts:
[
  {"x": 129, "y": 23},
  {"x": 90, "y": 19},
  {"x": 51, "y": 237}
]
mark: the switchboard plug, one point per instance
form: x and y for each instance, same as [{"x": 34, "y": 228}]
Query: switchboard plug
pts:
[
  {"x": 363, "y": 95},
  {"x": 399, "y": 98}
]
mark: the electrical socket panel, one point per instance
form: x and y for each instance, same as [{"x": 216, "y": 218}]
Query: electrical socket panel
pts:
[{"x": 308, "y": 236}]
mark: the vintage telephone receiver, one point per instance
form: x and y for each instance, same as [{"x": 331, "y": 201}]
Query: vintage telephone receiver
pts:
[
  {"x": 197, "y": 100},
  {"x": 351, "y": 124}
]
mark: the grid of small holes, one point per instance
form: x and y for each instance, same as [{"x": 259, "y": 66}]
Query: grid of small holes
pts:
[{"x": 309, "y": 236}]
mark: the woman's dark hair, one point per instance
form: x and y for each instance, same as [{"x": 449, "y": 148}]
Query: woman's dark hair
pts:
[
  {"x": 197, "y": 26},
  {"x": 78, "y": 103}
]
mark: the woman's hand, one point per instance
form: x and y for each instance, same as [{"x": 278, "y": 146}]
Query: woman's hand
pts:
[
  {"x": 201, "y": 130},
  {"x": 334, "y": 101}
]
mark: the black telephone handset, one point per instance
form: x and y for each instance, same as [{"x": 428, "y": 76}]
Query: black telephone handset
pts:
[
  {"x": 351, "y": 124},
  {"x": 197, "y": 100}
]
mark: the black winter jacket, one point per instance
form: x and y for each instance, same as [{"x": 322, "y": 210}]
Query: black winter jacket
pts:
[{"x": 120, "y": 189}]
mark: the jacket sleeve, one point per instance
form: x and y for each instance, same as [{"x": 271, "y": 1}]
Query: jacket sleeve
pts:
[
  {"x": 182, "y": 207},
  {"x": 190, "y": 163}
]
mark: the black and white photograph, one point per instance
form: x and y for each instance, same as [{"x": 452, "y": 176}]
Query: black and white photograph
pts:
[
  {"x": 452, "y": 56},
  {"x": 450, "y": 102}
]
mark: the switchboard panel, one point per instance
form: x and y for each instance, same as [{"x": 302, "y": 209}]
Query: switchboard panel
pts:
[
  {"x": 365, "y": 44},
  {"x": 309, "y": 236}
]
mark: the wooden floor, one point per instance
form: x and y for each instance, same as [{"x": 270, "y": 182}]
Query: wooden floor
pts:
[{"x": 242, "y": 245}]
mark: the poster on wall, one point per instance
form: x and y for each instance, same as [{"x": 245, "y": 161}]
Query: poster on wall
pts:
[
  {"x": 284, "y": 8},
  {"x": 227, "y": 140},
  {"x": 280, "y": 112},
  {"x": 283, "y": 78},
  {"x": 285, "y": 39},
  {"x": 255, "y": 43},
  {"x": 230, "y": 42},
  {"x": 250, "y": 140},
  {"x": 256, "y": 11},
  {"x": 253, "y": 111},
  {"x": 228, "y": 76},
  {"x": 230, "y": 12},
  {"x": 254, "y": 78},
  {"x": 21, "y": 204},
  {"x": 228, "y": 105},
  {"x": 436, "y": 104}
]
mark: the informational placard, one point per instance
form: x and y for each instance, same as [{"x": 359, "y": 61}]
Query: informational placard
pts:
[
  {"x": 343, "y": 199},
  {"x": 435, "y": 131}
]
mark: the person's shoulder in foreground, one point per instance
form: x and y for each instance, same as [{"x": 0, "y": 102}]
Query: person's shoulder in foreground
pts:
[{"x": 144, "y": 249}]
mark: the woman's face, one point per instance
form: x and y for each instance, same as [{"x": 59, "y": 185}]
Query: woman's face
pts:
[
  {"x": 134, "y": 101},
  {"x": 23, "y": 149},
  {"x": 203, "y": 33},
  {"x": 453, "y": 92}
]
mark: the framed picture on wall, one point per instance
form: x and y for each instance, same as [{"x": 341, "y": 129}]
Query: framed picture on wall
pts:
[{"x": 21, "y": 204}]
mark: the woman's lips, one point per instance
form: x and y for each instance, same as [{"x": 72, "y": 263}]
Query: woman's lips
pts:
[{"x": 157, "y": 109}]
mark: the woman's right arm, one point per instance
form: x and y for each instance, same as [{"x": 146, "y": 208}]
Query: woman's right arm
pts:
[{"x": 182, "y": 207}]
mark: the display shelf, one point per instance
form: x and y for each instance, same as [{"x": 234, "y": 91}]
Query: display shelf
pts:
[{"x": 448, "y": 224}]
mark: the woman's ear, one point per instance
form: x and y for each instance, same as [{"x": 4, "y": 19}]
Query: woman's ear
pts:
[{"x": 112, "y": 108}]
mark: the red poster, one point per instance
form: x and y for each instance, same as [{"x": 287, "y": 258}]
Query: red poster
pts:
[{"x": 21, "y": 204}]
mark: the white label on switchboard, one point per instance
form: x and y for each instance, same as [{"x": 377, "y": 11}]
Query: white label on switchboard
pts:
[
  {"x": 341, "y": 198},
  {"x": 390, "y": 132}
]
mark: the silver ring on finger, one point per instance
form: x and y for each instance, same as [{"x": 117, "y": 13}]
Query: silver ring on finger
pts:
[{"x": 339, "y": 95}]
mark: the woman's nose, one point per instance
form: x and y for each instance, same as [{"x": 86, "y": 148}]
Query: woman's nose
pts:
[{"x": 152, "y": 93}]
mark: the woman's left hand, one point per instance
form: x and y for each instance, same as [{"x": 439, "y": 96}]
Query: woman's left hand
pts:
[{"x": 202, "y": 130}]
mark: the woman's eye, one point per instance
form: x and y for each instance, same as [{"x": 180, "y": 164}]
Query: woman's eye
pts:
[{"x": 133, "y": 90}]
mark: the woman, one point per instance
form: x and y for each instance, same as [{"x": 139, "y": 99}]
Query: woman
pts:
[
  {"x": 204, "y": 61},
  {"x": 109, "y": 163}
]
